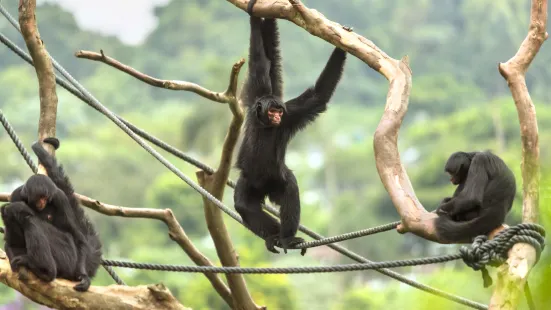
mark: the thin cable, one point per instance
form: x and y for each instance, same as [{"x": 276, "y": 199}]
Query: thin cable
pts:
[{"x": 285, "y": 270}]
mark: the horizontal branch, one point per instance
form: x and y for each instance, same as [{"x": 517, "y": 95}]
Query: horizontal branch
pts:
[
  {"x": 59, "y": 294},
  {"x": 222, "y": 97}
]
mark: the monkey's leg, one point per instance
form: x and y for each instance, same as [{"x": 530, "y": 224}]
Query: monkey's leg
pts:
[
  {"x": 287, "y": 197},
  {"x": 248, "y": 203}
]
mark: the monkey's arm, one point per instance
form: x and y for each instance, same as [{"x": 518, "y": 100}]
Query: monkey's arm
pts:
[
  {"x": 306, "y": 107},
  {"x": 472, "y": 194},
  {"x": 258, "y": 81}
]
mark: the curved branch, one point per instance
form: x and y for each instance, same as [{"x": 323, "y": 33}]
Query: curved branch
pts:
[
  {"x": 512, "y": 275},
  {"x": 221, "y": 97},
  {"x": 60, "y": 294}
]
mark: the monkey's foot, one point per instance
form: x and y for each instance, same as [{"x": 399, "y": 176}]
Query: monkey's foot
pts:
[
  {"x": 349, "y": 29},
  {"x": 271, "y": 243},
  {"x": 291, "y": 242},
  {"x": 17, "y": 262},
  {"x": 83, "y": 285}
]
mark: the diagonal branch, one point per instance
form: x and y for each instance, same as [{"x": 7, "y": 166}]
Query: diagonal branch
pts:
[
  {"x": 512, "y": 275},
  {"x": 221, "y": 97},
  {"x": 175, "y": 232}
]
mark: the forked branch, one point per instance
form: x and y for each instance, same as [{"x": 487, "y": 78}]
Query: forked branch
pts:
[{"x": 513, "y": 274}]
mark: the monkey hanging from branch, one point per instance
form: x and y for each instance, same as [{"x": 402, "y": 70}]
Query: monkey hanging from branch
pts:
[{"x": 270, "y": 125}]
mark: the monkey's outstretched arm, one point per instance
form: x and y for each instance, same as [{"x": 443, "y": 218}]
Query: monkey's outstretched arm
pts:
[{"x": 306, "y": 107}]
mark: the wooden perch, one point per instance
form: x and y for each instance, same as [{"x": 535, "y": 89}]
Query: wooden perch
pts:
[
  {"x": 512, "y": 276},
  {"x": 221, "y": 97},
  {"x": 59, "y": 294},
  {"x": 44, "y": 71}
]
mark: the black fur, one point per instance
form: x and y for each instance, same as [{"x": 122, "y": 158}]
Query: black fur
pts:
[
  {"x": 261, "y": 157},
  {"x": 484, "y": 195},
  {"x": 63, "y": 211},
  {"x": 34, "y": 243}
]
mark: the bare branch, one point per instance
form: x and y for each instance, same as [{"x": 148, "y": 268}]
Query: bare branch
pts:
[
  {"x": 512, "y": 275},
  {"x": 215, "y": 184},
  {"x": 221, "y": 97},
  {"x": 44, "y": 71},
  {"x": 175, "y": 232},
  {"x": 60, "y": 294}
]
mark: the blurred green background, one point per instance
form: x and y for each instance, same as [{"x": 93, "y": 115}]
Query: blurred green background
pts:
[{"x": 458, "y": 102}]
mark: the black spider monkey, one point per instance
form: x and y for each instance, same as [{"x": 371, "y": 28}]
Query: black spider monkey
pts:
[
  {"x": 36, "y": 244},
  {"x": 53, "y": 198},
  {"x": 270, "y": 124},
  {"x": 484, "y": 195}
]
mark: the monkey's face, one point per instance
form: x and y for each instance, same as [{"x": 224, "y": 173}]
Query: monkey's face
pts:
[
  {"x": 274, "y": 115},
  {"x": 269, "y": 111},
  {"x": 41, "y": 203},
  {"x": 458, "y": 167}
]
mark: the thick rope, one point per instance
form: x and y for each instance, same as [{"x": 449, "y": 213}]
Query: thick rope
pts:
[
  {"x": 495, "y": 252},
  {"x": 269, "y": 208},
  {"x": 285, "y": 270},
  {"x": 113, "y": 274}
]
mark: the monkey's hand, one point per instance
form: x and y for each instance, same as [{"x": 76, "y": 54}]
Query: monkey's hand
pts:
[
  {"x": 349, "y": 29},
  {"x": 250, "y": 7},
  {"x": 84, "y": 283},
  {"x": 272, "y": 242},
  {"x": 291, "y": 242},
  {"x": 18, "y": 261}
]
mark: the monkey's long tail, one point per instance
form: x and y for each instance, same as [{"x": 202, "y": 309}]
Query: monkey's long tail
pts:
[{"x": 451, "y": 231}]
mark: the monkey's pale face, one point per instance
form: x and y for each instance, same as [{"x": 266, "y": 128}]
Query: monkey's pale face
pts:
[
  {"x": 41, "y": 203},
  {"x": 274, "y": 115}
]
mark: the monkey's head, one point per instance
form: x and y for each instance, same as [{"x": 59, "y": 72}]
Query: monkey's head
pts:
[
  {"x": 457, "y": 167},
  {"x": 16, "y": 212},
  {"x": 38, "y": 191},
  {"x": 269, "y": 110}
]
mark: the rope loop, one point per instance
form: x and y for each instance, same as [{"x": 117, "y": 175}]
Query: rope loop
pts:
[{"x": 494, "y": 252}]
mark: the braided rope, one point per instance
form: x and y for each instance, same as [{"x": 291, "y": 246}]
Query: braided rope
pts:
[
  {"x": 113, "y": 275},
  {"x": 285, "y": 270},
  {"x": 495, "y": 252},
  {"x": 17, "y": 142}
]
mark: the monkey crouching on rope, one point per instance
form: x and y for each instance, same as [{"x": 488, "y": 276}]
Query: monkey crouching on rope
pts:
[
  {"x": 53, "y": 200},
  {"x": 270, "y": 125},
  {"x": 484, "y": 195}
]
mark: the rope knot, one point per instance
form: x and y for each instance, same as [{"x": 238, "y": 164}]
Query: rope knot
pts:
[{"x": 494, "y": 252}]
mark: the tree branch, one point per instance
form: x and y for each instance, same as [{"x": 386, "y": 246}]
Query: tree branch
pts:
[
  {"x": 512, "y": 275},
  {"x": 175, "y": 232},
  {"x": 215, "y": 184},
  {"x": 59, "y": 294},
  {"x": 221, "y": 97},
  {"x": 44, "y": 72}
]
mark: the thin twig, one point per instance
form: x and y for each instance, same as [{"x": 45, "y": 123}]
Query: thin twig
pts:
[{"x": 167, "y": 84}]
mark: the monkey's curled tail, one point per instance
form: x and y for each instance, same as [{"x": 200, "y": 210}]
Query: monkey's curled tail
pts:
[{"x": 451, "y": 231}]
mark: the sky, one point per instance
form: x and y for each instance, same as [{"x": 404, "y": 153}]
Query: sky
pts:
[{"x": 114, "y": 17}]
